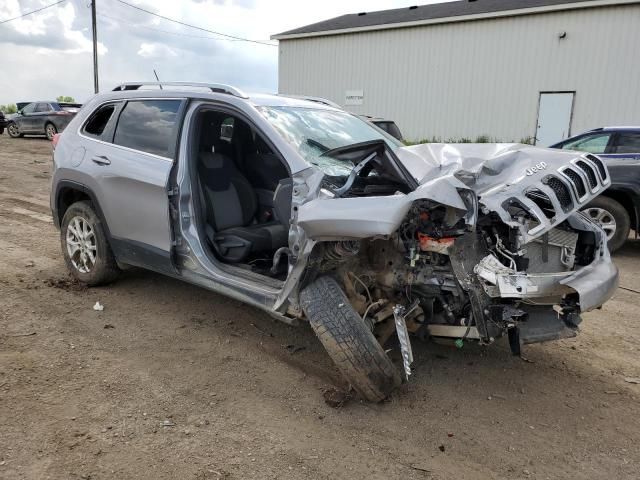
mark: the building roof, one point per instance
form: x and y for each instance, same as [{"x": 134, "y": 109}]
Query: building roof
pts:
[{"x": 437, "y": 13}]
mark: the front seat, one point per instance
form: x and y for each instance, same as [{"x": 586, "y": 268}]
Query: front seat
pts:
[{"x": 231, "y": 205}]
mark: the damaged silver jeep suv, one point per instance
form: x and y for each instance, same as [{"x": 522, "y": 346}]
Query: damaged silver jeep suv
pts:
[{"x": 310, "y": 213}]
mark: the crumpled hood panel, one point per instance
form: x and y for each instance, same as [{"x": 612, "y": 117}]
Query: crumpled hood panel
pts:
[
  {"x": 501, "y": 173},
  {"x": 481, "y": 166},
  {"x": 497, "y": 174}
]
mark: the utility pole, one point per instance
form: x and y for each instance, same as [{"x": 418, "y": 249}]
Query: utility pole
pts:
[{"x": 95, "y": 46}]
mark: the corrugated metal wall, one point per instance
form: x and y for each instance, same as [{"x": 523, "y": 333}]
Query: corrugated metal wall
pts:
[{"x": 479, "y": 77}]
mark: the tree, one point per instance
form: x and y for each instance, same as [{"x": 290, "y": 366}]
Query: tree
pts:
[
  {"x": 64, "y": 99},
  {"x": 11, "y": 108}
]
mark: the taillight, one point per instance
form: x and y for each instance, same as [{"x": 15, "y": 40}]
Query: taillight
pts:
[{"x": 54, "y": 140}]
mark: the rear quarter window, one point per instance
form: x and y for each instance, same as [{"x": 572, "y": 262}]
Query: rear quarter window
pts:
[
  {"x": 628, "y": 142},
  {"x": 149, "y": 126},
  {"x": 98, "y": 121}
]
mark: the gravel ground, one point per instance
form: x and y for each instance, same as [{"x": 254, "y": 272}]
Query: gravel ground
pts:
[{"x": 171, "y": 381}]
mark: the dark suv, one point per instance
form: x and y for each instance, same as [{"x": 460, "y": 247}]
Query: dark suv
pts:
[
  {"x": 42, "y": 118},
  {"x": 3, "y": 122},
  {"x": 617, "y": 209}
]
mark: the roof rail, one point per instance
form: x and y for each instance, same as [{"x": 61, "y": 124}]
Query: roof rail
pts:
[
  {"x": 214, "y": 87},
  {"x": 309, "y": 98}
]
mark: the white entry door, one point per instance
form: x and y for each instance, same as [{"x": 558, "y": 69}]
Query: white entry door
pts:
[{"x": 554, "y": 117}]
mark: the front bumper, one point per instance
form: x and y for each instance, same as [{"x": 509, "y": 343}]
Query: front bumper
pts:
[{"x": 594, "y": 283}]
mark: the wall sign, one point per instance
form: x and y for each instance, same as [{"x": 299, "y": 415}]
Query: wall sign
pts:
[{"x": 354, "y": 97}]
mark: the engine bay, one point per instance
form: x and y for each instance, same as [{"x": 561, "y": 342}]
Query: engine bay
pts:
[{"x": 442, "y": 270}]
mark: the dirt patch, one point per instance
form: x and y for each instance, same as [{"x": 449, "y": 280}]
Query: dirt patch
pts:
[
  {"x": 69, "y": 284},
  {"x": 171, "y": 381}
]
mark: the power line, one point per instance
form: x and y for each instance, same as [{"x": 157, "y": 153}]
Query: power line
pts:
[
  {"x": 32, "y": 12},
  {"x": 194, "y": 26},
  {"x": 125, "y": 22}
]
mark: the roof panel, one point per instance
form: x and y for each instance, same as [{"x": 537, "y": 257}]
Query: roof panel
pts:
[{"x": 424, "y": 12}]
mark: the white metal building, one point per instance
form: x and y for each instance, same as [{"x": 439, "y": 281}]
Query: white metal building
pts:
[{"x": 510, "y": 69}]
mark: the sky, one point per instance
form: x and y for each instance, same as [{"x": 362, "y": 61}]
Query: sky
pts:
[{"x": 49, "y": 53}]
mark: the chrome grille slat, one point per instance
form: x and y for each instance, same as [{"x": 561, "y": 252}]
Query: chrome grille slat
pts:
[
  {"x": 577, "y": 181},
  {"x": 543, "y": 202},
  {"x": 599, "y": 165},
  {"x": 590, "y": 172},
  {"x": 561, "y": 191}
]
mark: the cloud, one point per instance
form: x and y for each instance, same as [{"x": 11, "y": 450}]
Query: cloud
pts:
[
  {"x": 156, "y": 50},
  {"x": 50, "y": 53},
  {"x": 52, "y": 29}
]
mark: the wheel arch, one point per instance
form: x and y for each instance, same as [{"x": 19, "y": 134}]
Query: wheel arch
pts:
[{"x": 69, "y": 192}]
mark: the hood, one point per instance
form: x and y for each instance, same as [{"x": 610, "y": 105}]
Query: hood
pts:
[
  {"x": 550, "y": 184},
  {"x": 504, "y": 178}
]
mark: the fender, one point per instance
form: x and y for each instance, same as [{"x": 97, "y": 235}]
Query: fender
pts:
[{"x": 126, "y": 252}]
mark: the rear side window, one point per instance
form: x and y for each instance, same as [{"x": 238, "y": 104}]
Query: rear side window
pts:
[
  {"x": 99, "y": 120},
  {"x": 148, "y": 126},
  {"x": 628, "y": 142},
  {"x": 591, "y": 143}
]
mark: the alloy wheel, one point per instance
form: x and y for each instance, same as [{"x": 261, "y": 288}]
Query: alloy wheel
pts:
[
  {"x": 13, "y": 129},
  {"x": 603, "y": 218},
  {"x": 81, "y": 244},
  {"x": 51, "y": 131}
]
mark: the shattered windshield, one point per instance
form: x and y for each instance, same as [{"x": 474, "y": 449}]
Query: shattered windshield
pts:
[{"x": 314, "y": 131}]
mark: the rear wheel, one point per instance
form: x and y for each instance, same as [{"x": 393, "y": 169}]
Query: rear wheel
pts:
[
  {"x": 14, "y": 130},
  {"x": 85, "y": 246},
  {"x": 50, "y": 129},
  {"x": 612, "y": 217},
  {"x": 349, "y": 342}
]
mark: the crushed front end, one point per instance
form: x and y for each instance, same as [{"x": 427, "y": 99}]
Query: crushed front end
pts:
[
  {"x": 510, "y": 255},
  {"x": 522, "y": 261}
]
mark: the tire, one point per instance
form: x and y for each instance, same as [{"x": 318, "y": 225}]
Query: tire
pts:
[
  {"x": 50, "y": 130},
  {"x": 1, "y": 130},
  {"x": 103, "y": 269},
  {"x": 348, "y": 341},
  {"x": 13, "y": 130},
  {"x": 614, "y": 219}
]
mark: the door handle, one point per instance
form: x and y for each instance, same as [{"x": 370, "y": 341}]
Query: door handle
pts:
[{"x": 101, "y": 160}]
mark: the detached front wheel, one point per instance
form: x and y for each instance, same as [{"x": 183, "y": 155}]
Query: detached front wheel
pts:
[
  {"x": 85, "y": 246},
  {"x": 348, "y": 341}
]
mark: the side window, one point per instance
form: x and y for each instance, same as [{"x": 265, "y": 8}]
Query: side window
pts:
[
  {"x": 42, "y": 107},
  {"x": 148, "y": 126},
  {"x": 99, "y": 119},
  {"x": 628, "y": 142},
  {"x": 383, "y": 126},
  {"x": 591, "y": 143},
  {"x": 29, "y": 108}
]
